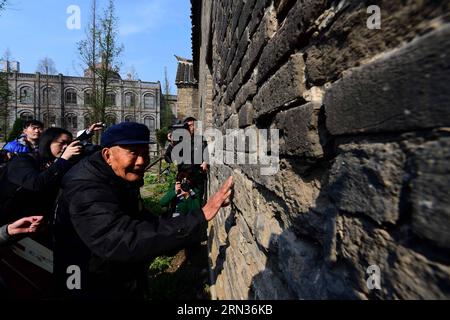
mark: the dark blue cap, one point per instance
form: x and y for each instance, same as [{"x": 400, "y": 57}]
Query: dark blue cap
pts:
[{"x": 126, "y": 133}]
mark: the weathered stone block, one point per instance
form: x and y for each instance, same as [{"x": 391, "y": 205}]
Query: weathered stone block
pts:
[
  {"x": 293, "y": 32},
  {"x": 430, "y": 192},
  {"x": 265, "y": 31},
  {"x": 404, "y": 90},
  {"x": 234, "y": 87},
  {"x": 404, "y": 273},
  {"x": 299, "y": 262},
  {"x": 232, "y": 122},
  {"x": 247, "y": 91},
  {"x": 299, "y": 131},
  {"x": 236, "y": 13},
  {"x": 246, "y": 115},
  {"x": 240, "y": 51},
  {"x": 281, "y": 5},
  {"x": 257, "y": 13},
  {"x": 245, "y": 16},
  {"x": 344, "y": 43},
  {"x": 226, "y": 69},
  {"x": 367, "y": 179},
  {"x": 267, "y": 231},
  {"x": 286, "y": 195},
  {"x": 283, "y": 87}
]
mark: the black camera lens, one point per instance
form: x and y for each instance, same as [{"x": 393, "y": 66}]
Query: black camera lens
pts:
[{"x": 185, "y": 186}]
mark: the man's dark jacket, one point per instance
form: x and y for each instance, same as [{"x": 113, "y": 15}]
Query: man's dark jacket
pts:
[{"x": 101, "y": 227}]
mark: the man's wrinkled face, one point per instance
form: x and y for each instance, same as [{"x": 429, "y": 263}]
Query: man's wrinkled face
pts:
[
  {"x": 128, "y": 161},
  {"x": 33, "y": 132}
]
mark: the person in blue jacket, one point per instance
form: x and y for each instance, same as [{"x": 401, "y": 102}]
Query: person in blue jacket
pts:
[{"x": 28, "y": 141}]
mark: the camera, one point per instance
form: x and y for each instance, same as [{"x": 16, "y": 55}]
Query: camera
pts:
[
  {"x": 185, "y": 185},
  {"x": 88, "y": 148}
]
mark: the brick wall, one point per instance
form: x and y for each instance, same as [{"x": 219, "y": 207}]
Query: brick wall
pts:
[{"x": 363, "y": 116}]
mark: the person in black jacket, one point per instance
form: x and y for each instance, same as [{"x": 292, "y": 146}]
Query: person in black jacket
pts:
[
  {"x": 196, "y": 164},
  {"x": 30, "y": 182},
  {"x": 104, "y": 238}
]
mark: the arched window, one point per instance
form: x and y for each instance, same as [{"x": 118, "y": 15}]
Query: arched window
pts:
[
  {"x": 149, "y": 101},
  {"x": 49, "y": 120},
  {"x": 150, "y": 123},
  {"x": 88, "y": 98},
  {"x": 129, "y": 118},
  {"x": 87, "y": 121},
  {"x": 130, "y": 100},
  {"x": 110, "y": 99},
  {"x": 26, "y": 95},
  {"x": 71, "y": 122},
  {"x": 110, "y": 120},
  {"x": 71, "y": 96},
  {"x": 48, "y": 94},
  {"x": 26, "y": 116}
]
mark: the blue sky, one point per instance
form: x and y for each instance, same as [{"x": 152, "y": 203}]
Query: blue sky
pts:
[{"x": 152, "y": 32}]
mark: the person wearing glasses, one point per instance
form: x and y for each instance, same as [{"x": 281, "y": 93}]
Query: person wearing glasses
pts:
[{"x": 29, "y": 184}]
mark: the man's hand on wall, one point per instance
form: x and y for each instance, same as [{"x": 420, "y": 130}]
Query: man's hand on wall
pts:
[{"x": 220, "y": 199}]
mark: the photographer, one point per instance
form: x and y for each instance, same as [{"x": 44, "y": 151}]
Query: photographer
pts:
[
  {"x": 182, "y": 197},
  {"x": 28, "y": 141},
  {"x": 29, "y": 185},
  {"x": 198, "y": 148}
]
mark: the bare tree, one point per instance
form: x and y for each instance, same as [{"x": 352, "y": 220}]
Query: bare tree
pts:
[
  {"x": 3, "y": 4},
  {"x": 46, "y": 66},
  {"x": 110, "y": 53},
  {"x": 100, "y": 52},
  {"x": 7, "y": 57},
  {"x": 132, "y": 74},
  {"x": 166, "y": 113},
  {"x": 89, "y": 53}
]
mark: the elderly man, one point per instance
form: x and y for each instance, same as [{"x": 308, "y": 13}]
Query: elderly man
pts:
[{"x": 103, "y": 236}]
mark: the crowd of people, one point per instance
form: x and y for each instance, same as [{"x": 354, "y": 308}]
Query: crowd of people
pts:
[{"x": 88, "y": 202}]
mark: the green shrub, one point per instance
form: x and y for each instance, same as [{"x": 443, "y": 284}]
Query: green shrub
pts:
[
  {"x": 160, "y": 264},
  {"x": 150, "y": 179},
  {"x": 16, "y": 130}
]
